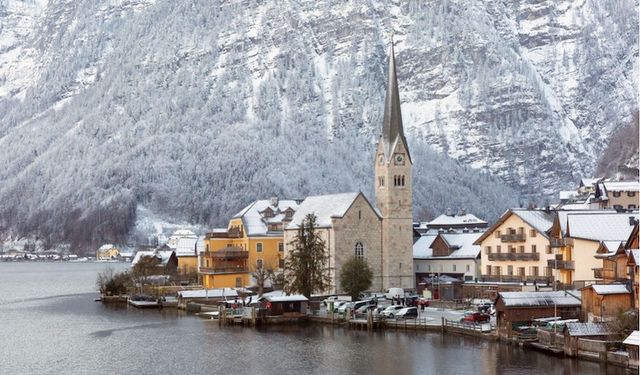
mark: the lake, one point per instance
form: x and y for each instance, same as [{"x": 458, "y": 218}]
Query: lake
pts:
[{"x": 51, "y": 325}]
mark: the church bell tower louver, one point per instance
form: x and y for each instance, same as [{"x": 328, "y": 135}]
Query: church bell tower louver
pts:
[{"x": 393, "y": 187}]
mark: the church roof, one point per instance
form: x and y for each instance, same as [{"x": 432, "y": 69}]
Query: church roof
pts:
[
  {"x": 325, "y": 207},
  {"x": 392, "y": 130}
]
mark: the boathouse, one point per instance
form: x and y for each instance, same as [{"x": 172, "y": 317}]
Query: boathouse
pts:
[
  {"x": 294, "y": 305},
  {"x": 602, "y": 302}
]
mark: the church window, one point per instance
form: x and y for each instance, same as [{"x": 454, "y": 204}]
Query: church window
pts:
[
  {"x": 359, "y": 214},
  {"x": 359, "y": 250},
  {"x": 402, "y": 181}
]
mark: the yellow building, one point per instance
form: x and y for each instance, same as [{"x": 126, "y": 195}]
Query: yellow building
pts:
[
  {"x": 253, "y": 239},
  {"x": 516, "y": 248},
  {"x": 576, "y": 237},
  {"x": 107, "y": 252}
]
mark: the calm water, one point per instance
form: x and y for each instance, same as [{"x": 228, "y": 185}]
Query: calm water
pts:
[{"x": 49, "y": 324}]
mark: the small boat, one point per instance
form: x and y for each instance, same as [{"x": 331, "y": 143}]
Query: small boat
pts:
[
  {"x": 209, "y": 315},
  {"x": 142, "y": 301}
]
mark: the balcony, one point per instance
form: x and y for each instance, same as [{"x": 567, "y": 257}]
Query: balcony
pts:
[
  {"x": 228, "y": 253},
  {"x": 513, "y": 237},
  {"x": 513, "y": 256},
  {"x": 223, "y": 270},
  {"x": 561, "y": 264},
  {"x": 597, "y": 273},
  {"x": 556, "y": 242},
  {"x": 540, "y": 280},
  {"x": 234, "y": 232}
]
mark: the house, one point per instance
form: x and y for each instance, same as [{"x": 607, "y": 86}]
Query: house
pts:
[
  {"x": 253, "y": 239},
  {"x": 516, "y": 248},
  {"x": 584, "y": 337},
  {"x": 633, "y": 260},
  {"x": 175, "y": 237},
  {"x": 614, "y": 262},
  {"x": 451, "y": 221},
  {"x": 603, "y": 302},
  {"x": 167, "y": 262},
  {"x": 450, "y": 253},
  {"x": 107, "y": 252},
  {"x": 514, "y": 309},
  {"x": 349, "y": 226},
  {"x": 289, "y": 306},
  {"x": 186, "y": 251},
  {"x": 618, "y": 195},
  {"x": 632, "y": 344}
]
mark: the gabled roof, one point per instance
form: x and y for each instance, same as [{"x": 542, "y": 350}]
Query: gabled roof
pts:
[
  {"x": 633, "y": 339},
  {"x": 634, "y": 257},
  {"x": 540, "y": 220},
  {"x": 292, "y": 298},
  {"x": 445, "y": 220},
  {"x": 326, "y": 207},
  {"x": 600, "y": 227},
  {"x": 392, "y": 131},
  {"x": 621, "y": 185},
  {"x": 604, "y": 289},
  {"x": 253, "y": 221},
  {"x": 561, "y": 215},
  {"x": 632, "y": 241},
  {"x": 107, "y": 246},
  {"x": 608, "y": 248},
  {"x": 540, "y": 299},
  {"x": 186, "y": 246},
  {"x": 164, "y": 255},
  {"x": 461, "y": 243}
]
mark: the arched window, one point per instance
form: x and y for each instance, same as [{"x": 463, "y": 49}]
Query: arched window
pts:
[
  {"x": 402, "y": 181},
  {"x": 359, "y": 250}
]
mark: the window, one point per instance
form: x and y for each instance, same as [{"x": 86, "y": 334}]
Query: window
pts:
[
  {"x": 533, "y": 233},
  {"x": 512, "y": 249},
  {"x": 498, "y": 249},
  {"x": 281, "y": 263},
  {"x": 488, "y": 270},
  {"x": 206, "y": 248},
  {"x": 631, "y": 193},
  {"x": 360, "y": 250},
  {"x": 468, "y": 268},
  {"x": 548, "y": 248},
  {"x": 521, "y": 230},
  {"x": 521, "y": 249},
  {"x": 487, "y": 249},
  {"x": 497, "y": 270},
  {"x": 259, "y": 263},
  {"x": 534, "y": 249},
  {"x": 238, "y": 282},
  {"x": 510, "y": 270},
  {"x": 454, "y": 268},
  {"x": 617, "y": 207},
  {"x": 380, "y": 180},
  {"x": 259, "y": 247},
  {"x": 512, "y": 231},
  {"x": 632, "y": 207},
  {"x": 520, "y": 271},
  {"x": 497, "y": 233},
  {"x": 616, "y": 194},
  {"x": 534, "y": 271},
  {"x": 280, "y": 247},
  {"x": 359, "y": 214}
]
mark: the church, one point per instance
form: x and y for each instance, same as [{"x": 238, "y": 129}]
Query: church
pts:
[{"x": 351, "y": 226}]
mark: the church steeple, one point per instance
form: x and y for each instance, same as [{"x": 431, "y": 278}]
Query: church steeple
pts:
[{"x": 392, "y": 130}]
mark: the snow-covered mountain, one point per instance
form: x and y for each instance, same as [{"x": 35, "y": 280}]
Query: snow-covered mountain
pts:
[{"x": 194, "y": 108}]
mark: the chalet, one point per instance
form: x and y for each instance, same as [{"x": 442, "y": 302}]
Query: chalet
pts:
[
  {"x": 514, "y": 309},
  {"x": 516, "y": 248},
  {"x": 614, "y": 262},
  {"x": 604, "y": 302},
  {"x": 166, "y": 264},
  {"x": 618, "y": 195},
  {"x": 452, "y": 253}
]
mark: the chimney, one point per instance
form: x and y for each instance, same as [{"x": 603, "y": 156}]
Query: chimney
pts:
[
  {"x": 449, "y": 211},
  {"x": 632, "y": 220},
  {"x": 274, "y": 201},
  {"x": 463, "y": 211}
]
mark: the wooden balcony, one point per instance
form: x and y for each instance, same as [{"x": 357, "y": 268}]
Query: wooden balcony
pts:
[
  {"x": 227, "y": 253},
  {"x": 513, "y": 237},
  {"x": 597, "y": 273},
  {"x": 556, "y": 242},
  {"x": 561, "y": 264},
  {"x": 513, "y": 256},
  {"x": 541, "y": 280},
  {"x": 223, "y": 270},
  {"x": 234, "y": 232}
]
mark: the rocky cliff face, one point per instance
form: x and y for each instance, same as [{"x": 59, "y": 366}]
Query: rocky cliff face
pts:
[{"x": 194, "y": 108}]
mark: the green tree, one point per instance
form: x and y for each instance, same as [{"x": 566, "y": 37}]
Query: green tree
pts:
[
  {"x": 306, "y": 266},
  {"x": 355, "y": 276}
]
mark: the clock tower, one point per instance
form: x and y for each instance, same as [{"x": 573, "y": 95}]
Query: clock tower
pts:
[{"x": 393, "y": 191}]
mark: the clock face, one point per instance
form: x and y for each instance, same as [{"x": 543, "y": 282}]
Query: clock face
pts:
[{"x": 399, "y": 159}]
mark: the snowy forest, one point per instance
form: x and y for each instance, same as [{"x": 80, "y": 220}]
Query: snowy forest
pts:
[{"x": 195, "y": 108}]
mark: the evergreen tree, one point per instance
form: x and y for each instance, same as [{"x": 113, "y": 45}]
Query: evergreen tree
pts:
[
  {"x": 355, "y": 276},
  {"x": 306, "y": 268}
]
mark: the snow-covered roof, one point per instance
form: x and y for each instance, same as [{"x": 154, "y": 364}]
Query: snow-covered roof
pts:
[
  {"x": 164, "y": 255},
  {"x": 107, "y": 246},
  {"x": 611, "y": 248},
  {"x": 621, "y": 185},
  {"x": 565, "y": 211},
  {"x": 445, "y": 220},
  {"x": 603, "y": 289},
  {"x": 600, "y": 227},
  {"x": 589, "y": 329},
  {"x": 589, "y": 181},
  {"x": 291, "y": 298},
  {"x": 540, "y": 220},
  {"x": 633, "y": 339},
  {"x": 535, "y": 299},
  {"x": 575, "y": 206},
  {"x": 255, "y": 224},
  {"x": 183, "y": 233},
  {"x": 186, "y": 246},
  {"x": 209, "y": 293},
  {"x": 635, "y": 255},
  {"x": 568, "y": 194},
  {"x": 463, "y": 242},
  {"x": 325, "y": 207}
]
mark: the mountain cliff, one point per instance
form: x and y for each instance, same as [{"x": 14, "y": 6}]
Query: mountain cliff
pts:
[{"x": 194, "y": 108}]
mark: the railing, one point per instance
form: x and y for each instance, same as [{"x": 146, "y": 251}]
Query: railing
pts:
[
  {"x": 597, "y": 273},
  {"x": 556, "y": 242},
  {"x": 215, "y": 270},
  {"x": 561, "y": 264},
  {"x": 227, "y": 254},
  {"x": 514, "y": 256},
  {"x": 230, "y": 234},
  {"x": 548, "y": 280},
  {"x": 471, "y": 326},
  {"x": 513, "y": 237}
]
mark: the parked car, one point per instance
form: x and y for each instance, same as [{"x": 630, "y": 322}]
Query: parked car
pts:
[
  {"x": 475, "y": 317},
  {"x": 343, "y": 307},
  {"x": 329, "y": 299},
  {"x": 364, "y": 308},
  {"x": 487, "y": 308},
  {"x": 394, "y": 293},
  {"x": 391, "y": 311},
  {"x": 338, "y": 305},
  {"x": 407, "y": 313}
]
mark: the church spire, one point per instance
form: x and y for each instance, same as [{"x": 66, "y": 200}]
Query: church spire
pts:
[{"x": 392, "y": 130}]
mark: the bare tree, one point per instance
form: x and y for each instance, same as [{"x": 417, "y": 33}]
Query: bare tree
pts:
[{"x": 263, "y": 274}]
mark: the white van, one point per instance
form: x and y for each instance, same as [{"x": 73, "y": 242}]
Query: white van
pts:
[{"x": 392, "y": 293}]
